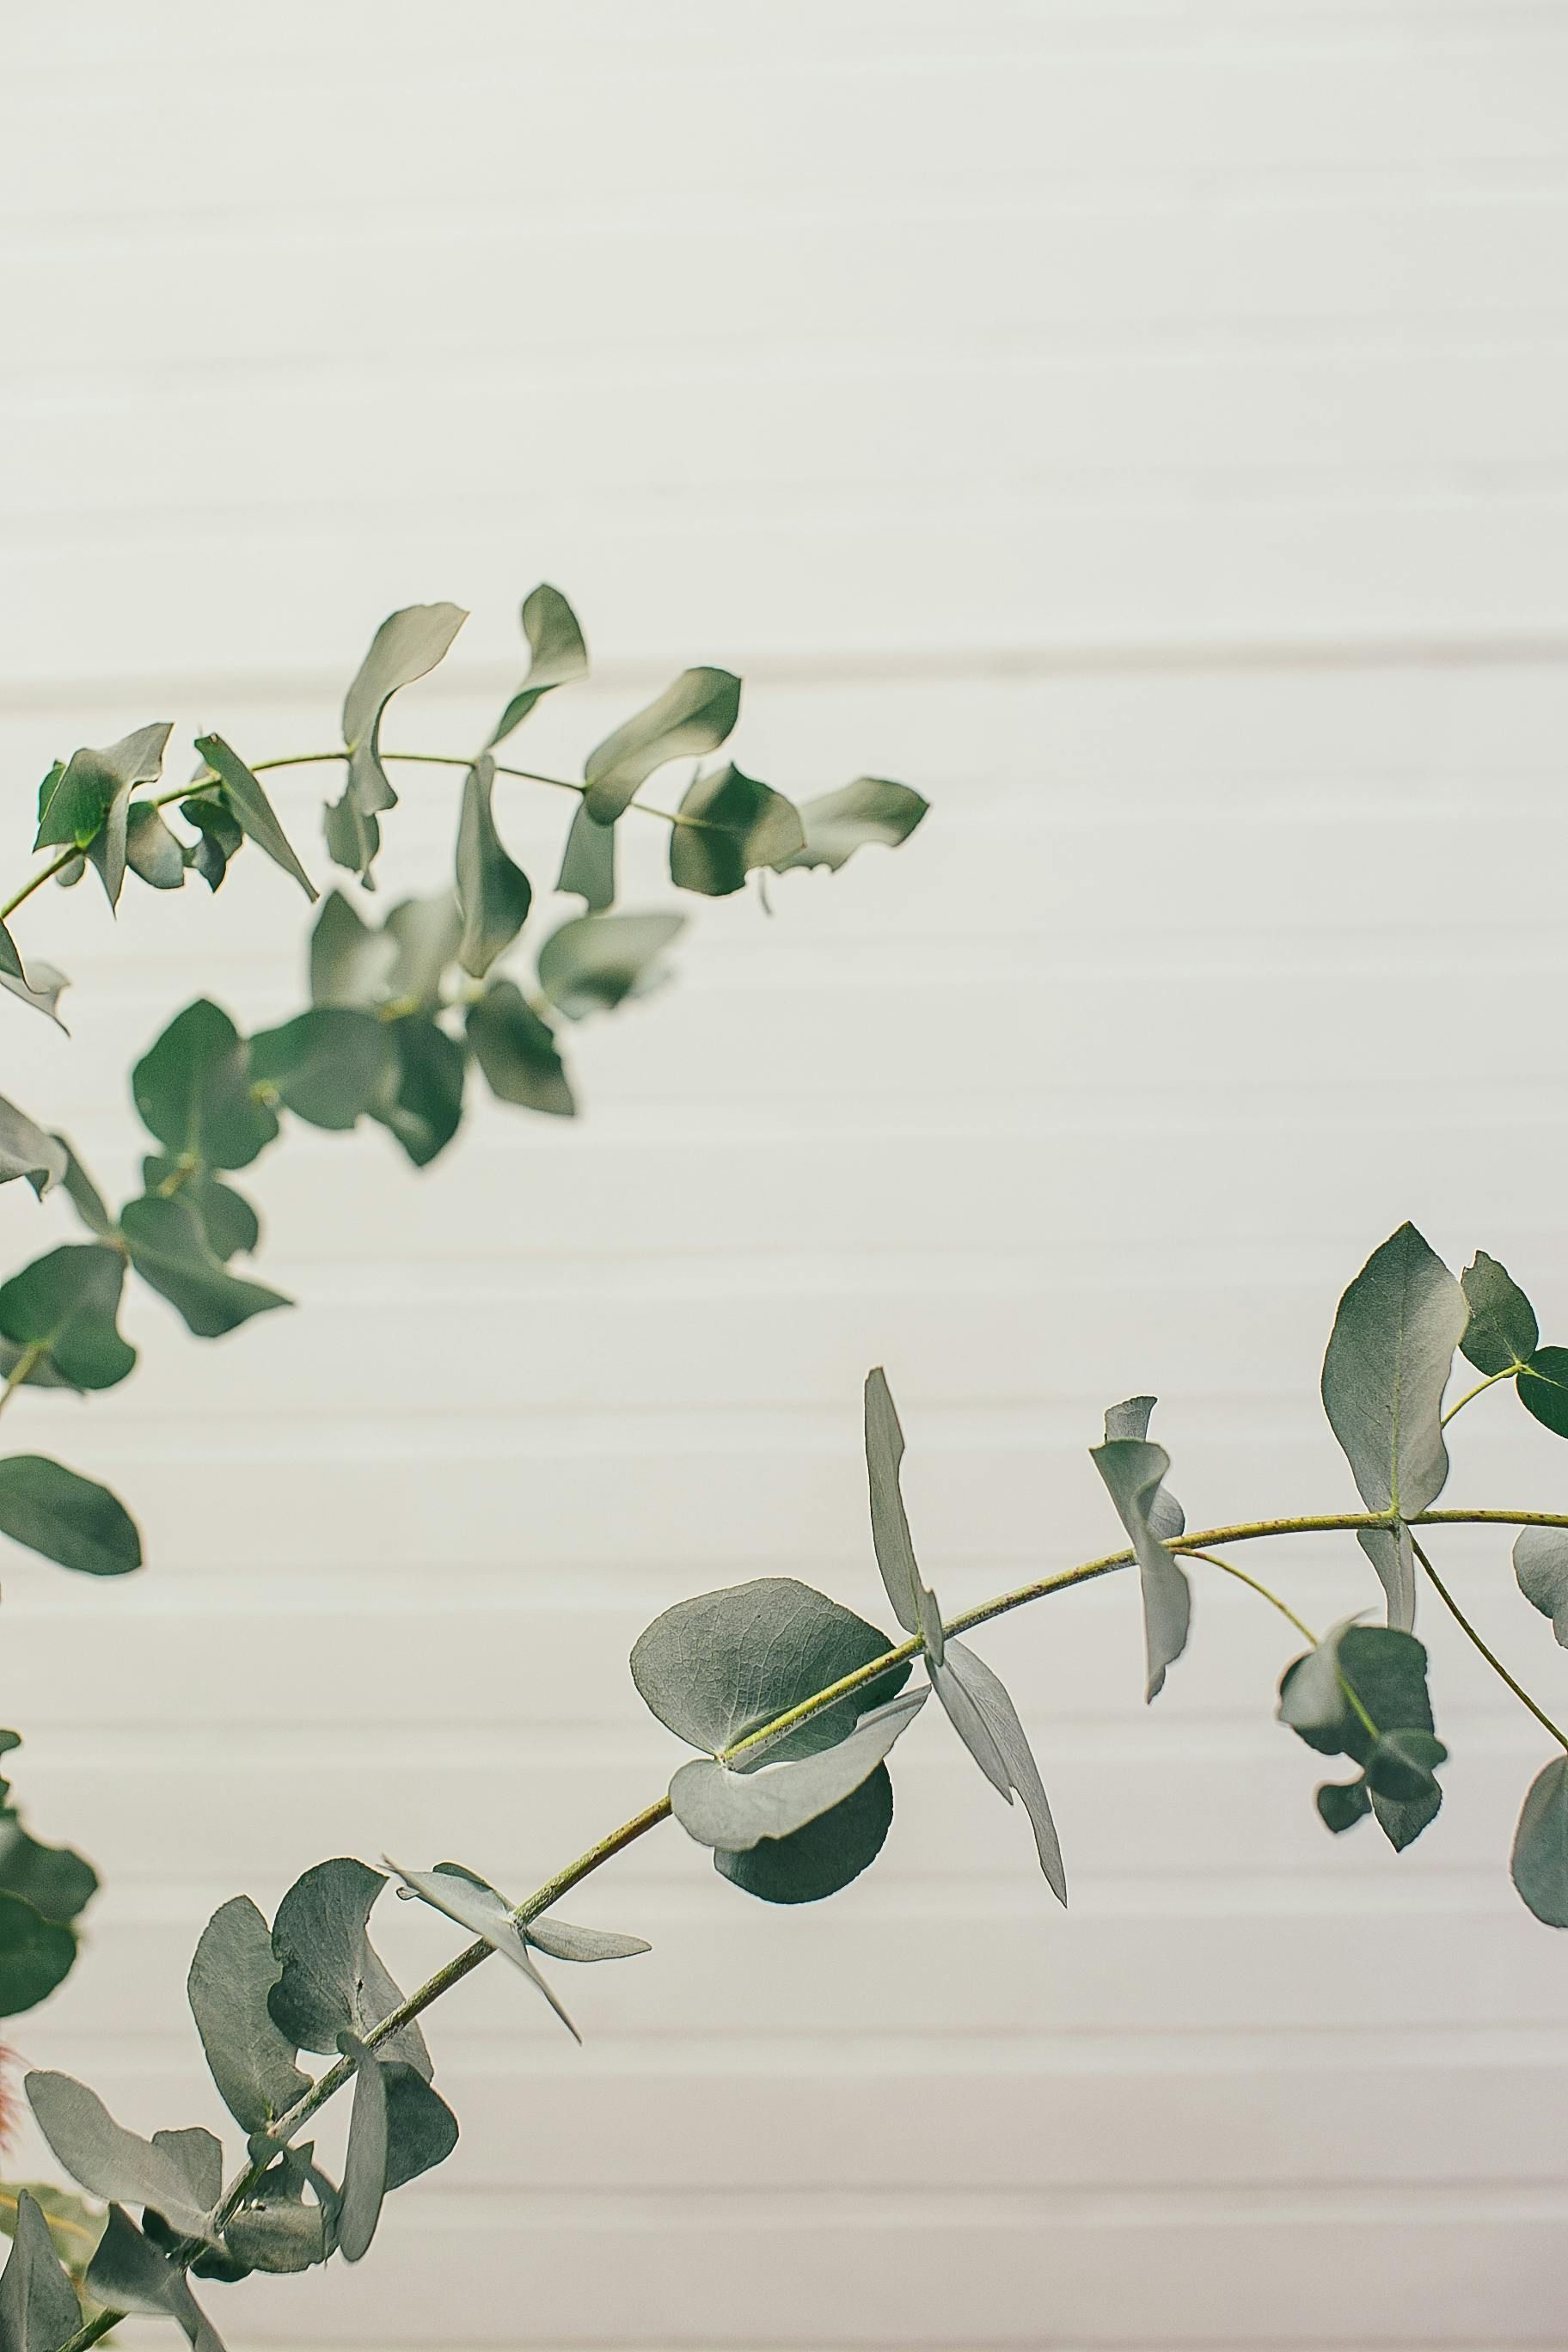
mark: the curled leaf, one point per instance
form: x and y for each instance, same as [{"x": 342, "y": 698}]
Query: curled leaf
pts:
[
  {"x": 835, "y": 824},
  {"x": 559, "y": 655},
  {"x": 692, "y": 716},
  {"x": 720, "y": 1806}
]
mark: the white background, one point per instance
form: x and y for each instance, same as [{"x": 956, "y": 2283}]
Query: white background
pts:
[{"x": 1142, "y": 426}]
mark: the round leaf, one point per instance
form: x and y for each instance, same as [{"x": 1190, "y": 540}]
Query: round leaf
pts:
[{"x": 821, "y": 1858}]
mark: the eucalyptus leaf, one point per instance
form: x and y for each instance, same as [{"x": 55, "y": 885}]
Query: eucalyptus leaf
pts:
[
  {"x": 42, "y": 989},
  {"x": 54, "y": 1881},
  {"x": 352, "y": 838},
  {"x": 38, "y": 2306},
  {"x": 35, "y": 1955},
  {"x": 65, "y": 1305},
  {"x": 152, "y": 852},
  {"x": 718, "y": 1668},
  {"x": 692, "y": 716},
  {"x": 1362, "y": 1693},
  {"x": 231, "y": 1977},
  {"x": 332, "y": 1980},
  {"x": 245, "y": 799},
  {"x": 423, "y": 1106},
  {"x": 722, "y": 1807},
  {"x": 421, "y": 2129},
  {"x": 10, "y": 956},
  {"x": 193, "y": 1090},
  {"x": 1393, "y": 1555},
  {"x": 983, "y": 1714},
  {"x": 424, "y": 933},
  {"x": 67, "y": 1517},
  {"x": 171, "y": 2172},
  {"x": 595, "y": 961},
  {"x": 75, "y": 2225},
  {"x": 588, "y": 864},
  {"x": 475, "y": 1905},
  {"x": 835, "y": 824},
  {"x": 1540, "y": 1861},
  {"x": 559, "y": 655},
  {"x": 823, "y": 1857},
  {"x": 26, "y": 1151},
  {"x": 169, "y": 1249},
  {"x": 517, "y": 1051},
  {"x": 219, "y": 835},
  {"x": 1134, "y": 1471},
  {"x": 729, "y": 823},
  {"x": 275, "y": 2230},
  {"x": 82, "y": 1193},
  {"x": 561, "y": 1941},
  {"x": 365, "y": 2168},
  {"x": 230, "y": 1223},
  {"x": 129, "y": 2273},
  {"x": 328, "y": 1065},
  {"x": 351, "y": 962},
  {"x": 1387, "y": 1364},
  {"x": 1542, "y": 1387},
  {"x": 406, "y": 646},
  {"x": 914, "y": 1605},
  {"x": 1541, "y": 1567},
  {"x": 1502, "y": 1333},
  {"x": 493, "y": 892},
  {"x": 90, "y": 800}
]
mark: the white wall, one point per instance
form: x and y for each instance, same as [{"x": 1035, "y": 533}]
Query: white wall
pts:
[{"x": 1141, "y": 425}]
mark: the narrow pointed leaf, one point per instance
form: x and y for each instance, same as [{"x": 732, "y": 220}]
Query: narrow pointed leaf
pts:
[
  {"x": 561, "y": 1941},
  {"x": 169, "y": 1249},
  {"x": 41, "y": 990},
  {"x": 1388, "y": 1361},
  {"x": 733, "y": 824},
  {"x": 66, "y": 1304},
  {"x": 823, "y": 1857},
  {"x": 365, "y": 2168},
  {"x": 67, "y": 1517},
  {"x": 914, "y": 1605},
  {"x": 89, "y": 799},
  {"x": 253, "y": 812},
  {"x": 835, "y": 824},
  {"x": 555, "y": 642},
  {"x": 588, "y": 865},
  {"x": 493, "y": 892},
  {"x": 332, "y": 1980},
  {"x": 10, "y": 956},
  {"x": 1502, "y": 1333},
  {"x": 517, "y": 1051},
  {"x": 193, "y": 1090},
  {"x": 475, "y": 1905},
  {"x": 26, "y": 1151},
  {"x": 38, "y": 2306},
  {"x": 328, "y": 1065},
  {"x": 406, "y": 646},
  {"x": 1134, "y": 1471},
  {"x": 595, "y": 961},
  {"x": 118, "y": 2165},
  {"x": 82, "y": 1193},
  {"x": 1540, "y": 1861},
  {"x": 692, "y": 716},
  {"x": 129, "y": 2273},
  {"x": 231, "y": 1976},
  {"x": 983, "y": 1715}
]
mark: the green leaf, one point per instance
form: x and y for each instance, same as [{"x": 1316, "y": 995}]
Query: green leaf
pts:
[
  {"x": 231, "y": 1976},
  {"x": 230, "y": 1223},
  {"x": 128, "y": 2272},
  {"x": 1387, "y": 1363},
  {"x": 83, "y": 1193},
  {"x": 1134, "y": 1471},
  {"x": 475, "y": 1905},
  {"x": 328, "y": 1065},
  {"x": 35, "y": 1955},
  {"x": 152, "y": 851},
  {"x": 1542, "y": 1387},
  {"x": 421, "y": 2129},
  {"x": 983, "y": 1715},
  {"x": 1502, "y": 1333},
  {"x": 276, "y": 2230},
  {"x": 252, "y": 811},
  {"x": 65, "y": 1305},
  {"x": 10, "y": 956},
  {"x": 169, "y": 1249},
  {"x": 424, "y": 933},
  {"x": 733, "y": 1810},
  {"x": 871, "y": 810},
  {"x": 914, "y": 1605},
  {"x": 1541, "y": 1567},
  {"x": 67, "y": 1517},
  {"x": 332, "y": 1980},
  {"x": 1341, "y": 1803},
  {"x": 588, "y": 865},
  {"x": 26, "y": 1151},
  {"x": 820, "y": 1859},
  {"x": 722, "y": 1666},
  {"x": 692, "y": 716},
  {"x": 219, "y": 832},
  {"x": 38, "y": 2306},
  {"x": 74, "y": 2225},
  {"x": 424, "y": 1108},
  {"x": 92, "y": 796},
  {"x": 559, "y": 655},
  {"x": 494, "y": 894},
  {"x": 41, "y": 990},
  {"x": 1385, "y": 1669},
  {"x": 193, "y": 1091},
  {"x": 733, "y": 824},
  {"x": 350, "y": 962},
  {"x": 516, "y": 1051},
  {"x": 364, "y": 2169},
  {"x": 565, "y": 1942},
  {"x": 595, "y": 961},
  {"x": 1540, "y": 1861},
  {"x": 171, "y": 2171},
  {"x": 58, "y": 1882},
  {"x": 406, "y": 646},
  {"x": 1392, "y": 1556},
  {"x": 1402, "y": 1766}
]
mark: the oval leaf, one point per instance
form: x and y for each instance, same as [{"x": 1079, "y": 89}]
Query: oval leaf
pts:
[
  {"x": 26, "y": 1151},
  {"x": 331, "y": 1979},
  {"x": 692, "y": 716},
  {"x": 588, "y": 864},
  {"x": 66, "y": 1516},
  {"x": 555, "y": 642},
  {"x": 517, "y": 1051},
  {"x": 1541, "y": 1567},
  {"x": 171, "y": 2173},
  {"x": 328, "y": 1065},
  {"x": 253, "y": 812},
  {"x": 65, "y": 1306},
  {"x": 1543, "y": 1388},
  {"x": 729, "y": 823},
  {"x": 168, "y": 1250},
  {"x": 1502, "y": 1333},
  {"x": 1388, "y": 1361},
  {"x": 835, "y": 824},
  {"x": 231, "y": 1976},
  {"x": 1540, "y": 1862},
  {"x": 35, "y": 1955},
  {"x": 193, "y": 1091},
  {"x": 822, "y": 1858},
  {"x": 721, "y": 1807},
  {"x": 595, "y": 961}
]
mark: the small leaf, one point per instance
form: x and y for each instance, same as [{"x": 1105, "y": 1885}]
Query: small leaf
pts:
[
  {"x": 424, "y": 933},
  {"x": 10, "y": 956},
  {"x": 820, "y": 1859},
  {"x": 252, "y": 811},
  {"x": 328, "y": 1065},
  {"x": 66, "y": 1304},
  {"x": 38, "y": 2306},
  {"x": 171, "y": 2172},
  {"x": 692, "y": 716},
  {"x": 1389, "y": 1734},
  {"x": 1393, "y": 1555},
  {"x": 169, "y": 1249},
  {"x": 983, "y": 1715},
  {"x": 836, "y": 824},
  {"x": 26, "y": 1151},
  {"x": 91, "y": 797},
  {"x": 595, "y": 961},
  {"x": 351, "y": 963},
  {"x": 83, "y": 1193},
  {"x": 56, "y": 1882},
  {"x": 406, "y": 646},
  {"x": 914, "y": 1605},
  {"x": 516, "y": 1050},
  {"x": 231, "y": 1225},
  {"x": 424, "y": 1107},
  {"x": 722, "y": 1666},
  {"x": 588, "y": 865},
  {"x": 722, "y": 1807},
  {"x": 1540, "y": 1862},
  {"x": 67, "y": 1517},
  {"x": 1388, "y": 1361},
  {"x": 1341, "y": 1803},
  {"x": 231, "y": 1976},
  {"x": 561, "y": 1941},
  {"x": 193, "y": 1091},
  {"x": 494, "y": 894},
  {"x": 555, "y": 642},
  {"x": 731, "y": 824},
  {"x": 1541, "y": 1567},
  {"x": 41, "y": 990},
  {"x": 332, "y": 1980},
  {"x": 1134, "y": 1471},
  {"x": 128, "y": 2272},
  {"x": 35, "y": 1955},
  {"x": 152, "y": 852},
  {"x": 364, "y": 2169},
  {"x": 421, "y": 2129},
  {"x": 1403, "y": 1765},
  {"x": 475, "y": 1905},
  {"x": 1502, "y": 1333},
  {"x": 1543, "y": 1388},
  {"x": 220, "y": 836},
  {"x": 352, "y": 839}
]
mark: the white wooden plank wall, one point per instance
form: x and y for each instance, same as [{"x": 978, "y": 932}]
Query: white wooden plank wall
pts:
[{"x": 1140, "y": 423}]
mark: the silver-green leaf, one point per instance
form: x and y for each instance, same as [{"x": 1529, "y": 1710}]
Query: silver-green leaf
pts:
[
  {"x": 26, "y": 1151},
  {"x": 493, "y": 893},
  {"x": 692, "y": 716},
  {"x": 1387, "y": 1363},
  {"x": 596, "y": 961},
  {"x": 128, "y": 2272},
  {"x": 38, "y": 2306},
  {"x": 364, "y": 2169},
  {"x": 729, "y": 823},
  {"x": 588, "y": 863},
  {"x": 406, "y": 646},
  {"x": 983, "y": 1714},
  {"x": 253, "y": 812},
  {"x": 559, "y": 655},
  {"x": 1541, "y": 1567},
  {"x": 332, "y": 1980},
  {"x": 1134, "y": 1471},
  {"x": 720, "y": 1806},
  {"x": 1539, "y": 1862},
  {"x": 475, "y": 1905},
  {"x": 835, "y": 824},
  {"x": 914, "y": 1605},
  {"x": 170, "y": 2172},
  {"x": 231, "y": 1976}
]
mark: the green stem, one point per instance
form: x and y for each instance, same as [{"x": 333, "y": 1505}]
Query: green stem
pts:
[
  {"x": 1253, "y": 1585},
  {"x": 30, "y": 1356},
  {"x": 1480, "y": 1390},
  {"x": 57, "y": 866},
  {"x": 1493, "y": 1661},
  {"x": 463, "y": 1964}
]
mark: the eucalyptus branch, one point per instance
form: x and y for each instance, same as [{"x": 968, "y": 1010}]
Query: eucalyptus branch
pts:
[{"x": 1471, "y": 1635}]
